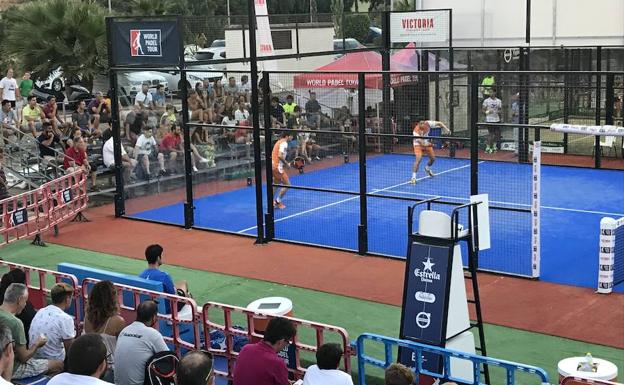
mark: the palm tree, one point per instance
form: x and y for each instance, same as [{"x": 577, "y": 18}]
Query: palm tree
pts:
[{"x": 48, "y": 34}]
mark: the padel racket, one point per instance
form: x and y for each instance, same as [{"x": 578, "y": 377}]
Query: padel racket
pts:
[{"x": 299, "y": 163}]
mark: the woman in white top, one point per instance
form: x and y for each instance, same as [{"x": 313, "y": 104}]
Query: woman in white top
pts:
[{"x": 102, "y": 317}]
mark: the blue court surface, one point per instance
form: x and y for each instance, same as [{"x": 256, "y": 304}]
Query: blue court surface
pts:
[{"x": 573, "y": 201}]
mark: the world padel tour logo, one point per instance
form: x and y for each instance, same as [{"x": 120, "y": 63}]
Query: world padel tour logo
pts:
[
  {"x": 427, "y": 274},
  {"x": 145, "y": 42}
]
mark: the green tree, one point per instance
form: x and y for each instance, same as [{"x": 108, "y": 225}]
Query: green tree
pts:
[
  {"x": 159, "y": 7},
  {"x": 356, "y": 26},
  {"x": 46, "y": 34}
]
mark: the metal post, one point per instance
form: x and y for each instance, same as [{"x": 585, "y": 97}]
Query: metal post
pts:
[
  {"x": 437, "y": 85},
  {"x": 120, "y": 204},
  {"x": 385, "y": 66},
  {"x": 363, "y": 226},
  {"x": 189, "y": 209},
  {"x": 528, "y": 22},
  {"x": 451, "y": 122},
  {"x": 566, "y": 98},
  {"x": 269, "y": 218},
  {"x": 474, "y": 133},
  {"x": 610, "y": 99},
  {"x": 598, "y": 101},
  {"x": 253, "y": 54}
]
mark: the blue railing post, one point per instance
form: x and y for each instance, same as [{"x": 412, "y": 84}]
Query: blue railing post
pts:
[{"x": 477, "y": 361}]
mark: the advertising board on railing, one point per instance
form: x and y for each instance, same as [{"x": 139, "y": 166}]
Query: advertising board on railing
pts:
[{"x": 420, "y": 26}]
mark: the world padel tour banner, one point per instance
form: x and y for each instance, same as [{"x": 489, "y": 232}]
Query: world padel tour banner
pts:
[
  {"x": 425, "y": 300},
  {"x": 144, "y": 43},
  {"x": 420, "y": 26}
]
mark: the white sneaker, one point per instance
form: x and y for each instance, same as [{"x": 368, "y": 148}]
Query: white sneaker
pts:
[
  {"x": 195, "y": 169},
  {"x": 428, "y": 170},
  {"x": 203, "y": 160}
]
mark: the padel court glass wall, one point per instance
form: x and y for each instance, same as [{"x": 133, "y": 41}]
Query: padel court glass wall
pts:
[{"x": 354, "y": 191}]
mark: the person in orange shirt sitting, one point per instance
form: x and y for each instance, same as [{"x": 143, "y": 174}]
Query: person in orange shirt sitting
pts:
[{"x": 279, "y": 164}]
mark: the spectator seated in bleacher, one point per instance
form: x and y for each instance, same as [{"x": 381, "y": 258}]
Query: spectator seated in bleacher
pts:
[
  {"x": 25, "y": 365},
  {"x": 259, "y": 363},
  {"x": 99, "y": 110},
  {"x": 102, "y": 317},
  {"x": 195, "y": 368},
  {"x": 28, "y": 313},
  {"x": 76, "y": 158},
  {"x": 278, "y": 119},
  {"x": 108, "y": 156},
  {"x": 134, "y": 123},
  {"x": 7, "y": 355},
  {"x": 32, "y": 116},
  {"x": 50, "y": 109},
  {"x": 86, "y": 363},
  {"x": 399, "y": 374},
  {"x": 169, "y": 117},
  {"x": 81, "y": 118},
  {"x": 48, "y": 143},
  {"x": 160, "y": 99},
  {"x": 136, "y": 344},
  {"x": 171, "y": 147},
  {"x": 345, "y": 125},
  {"x": 56, "y": 325},
  {"x": 196, "y": 107},
  {"x": 204, "y": 144},
  {"x": 146, "y": 150},
  {"x": 326, "y": 371},
  {"x": 8, "y": 120},
  {"x": 153, "y": 255}
]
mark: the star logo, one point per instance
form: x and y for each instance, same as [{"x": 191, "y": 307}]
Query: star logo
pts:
[{"x": 428, "y": 265}]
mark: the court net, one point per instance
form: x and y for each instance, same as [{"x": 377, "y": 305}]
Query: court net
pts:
[{"x": 611, "y": 269}]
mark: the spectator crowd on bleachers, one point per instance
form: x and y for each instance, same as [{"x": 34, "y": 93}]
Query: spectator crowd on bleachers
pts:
[{"x": 151, "y": 127}]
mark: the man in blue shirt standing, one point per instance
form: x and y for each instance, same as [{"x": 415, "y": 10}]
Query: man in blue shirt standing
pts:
[{"x": 153, "y": 255}]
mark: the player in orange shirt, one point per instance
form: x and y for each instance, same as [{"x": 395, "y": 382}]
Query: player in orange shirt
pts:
[
  {"x": 422, "y": 143},
  {"x": 279, "y": 164}
]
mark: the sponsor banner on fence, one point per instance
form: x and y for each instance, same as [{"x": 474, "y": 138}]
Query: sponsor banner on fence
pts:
[
  {"x": 146, "y": 43},
  {"x": 588, "y": 130},
  {"x": 420, "y": 26}
]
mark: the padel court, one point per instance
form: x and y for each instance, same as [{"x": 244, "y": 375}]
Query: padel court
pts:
[{"x": 573, "y": 201}]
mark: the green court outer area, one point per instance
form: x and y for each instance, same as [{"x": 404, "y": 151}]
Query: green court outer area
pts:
[{"x": 355, "y": 315}]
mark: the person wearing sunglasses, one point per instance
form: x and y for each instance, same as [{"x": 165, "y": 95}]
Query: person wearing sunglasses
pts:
[
  {"x": 7, "y": 355},
  {"x": 259, "y": 363},
  {"x": 86, "y": 362},
  {"x": 195, "y": 368}
]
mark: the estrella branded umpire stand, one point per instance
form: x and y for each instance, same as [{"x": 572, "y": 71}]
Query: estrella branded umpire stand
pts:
[{"x": 435, "y": 303}]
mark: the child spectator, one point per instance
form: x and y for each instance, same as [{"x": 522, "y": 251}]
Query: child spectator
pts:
[{"x": 399, "y": 374}]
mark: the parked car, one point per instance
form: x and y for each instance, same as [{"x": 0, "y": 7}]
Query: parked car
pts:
[
  {"x": 373, "y": 33},
  {"x": 76, "y": 94},
  {"x": 54, "y": 82},
  {"x": 347, "y": 44},
  {"x": 195, "y": 74},
  {"x": 131, "y": 82},
  {"x": 218, "y": 43},
  {"x": 212, "y": 54}
]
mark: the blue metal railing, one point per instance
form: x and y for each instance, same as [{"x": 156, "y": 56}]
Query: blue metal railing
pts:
[{"x": 389, "y": 343}]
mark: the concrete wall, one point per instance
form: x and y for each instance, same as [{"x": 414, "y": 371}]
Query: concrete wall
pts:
[{"x": 553, "y": 22}]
